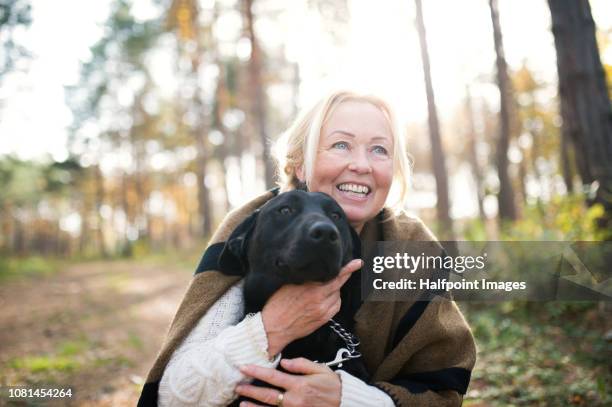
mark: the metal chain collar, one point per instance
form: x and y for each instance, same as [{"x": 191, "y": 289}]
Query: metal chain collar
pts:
[{"x": 351, "y": 341}]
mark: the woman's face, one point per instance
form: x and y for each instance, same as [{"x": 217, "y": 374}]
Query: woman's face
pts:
[{"x": 354, "y": 161}]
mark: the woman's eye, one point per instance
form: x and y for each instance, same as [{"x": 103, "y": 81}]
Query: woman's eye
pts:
[
  {"x": 380, "y": 150},
  {"x": 285, "y": 210},
  {"x": 343, "y": 145}
]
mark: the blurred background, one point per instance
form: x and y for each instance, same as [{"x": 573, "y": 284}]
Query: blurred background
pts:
[{"x": 128, "y": 129}]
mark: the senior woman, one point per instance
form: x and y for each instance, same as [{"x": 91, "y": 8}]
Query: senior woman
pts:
[{"x": 417, "y": 353}]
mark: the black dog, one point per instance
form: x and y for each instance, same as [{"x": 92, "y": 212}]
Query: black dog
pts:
[{"x": 299, "y": 237}]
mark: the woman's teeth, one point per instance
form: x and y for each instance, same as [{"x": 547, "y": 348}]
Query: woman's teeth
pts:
[{"x": 358, "y": 189}]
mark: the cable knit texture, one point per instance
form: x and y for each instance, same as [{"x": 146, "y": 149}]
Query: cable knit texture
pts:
[
  {"x": 203, "y": 369},
  {"x": 356, "y": 393}
]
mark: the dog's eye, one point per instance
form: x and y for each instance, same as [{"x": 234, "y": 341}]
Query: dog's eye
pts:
[
  {"x": 335, "y": 215},
  {"x": 284, "y": 210}
]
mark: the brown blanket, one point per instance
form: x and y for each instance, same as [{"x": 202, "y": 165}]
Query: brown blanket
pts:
[{"x": 421, "y": 353}]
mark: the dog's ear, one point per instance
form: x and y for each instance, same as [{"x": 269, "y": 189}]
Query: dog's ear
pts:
[{"x": 233, "y": 259}]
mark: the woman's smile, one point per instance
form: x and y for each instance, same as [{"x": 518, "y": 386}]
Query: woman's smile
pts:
[{"x": 353, "y": 191}]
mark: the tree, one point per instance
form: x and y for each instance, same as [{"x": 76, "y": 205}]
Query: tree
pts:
[
  {"x": 13, "y": 13},
  {"x": 539, "y": 141},
  {"x": 184, "y": 15},
  {"x": 473, "y": 154},
  {"x": 29, "y": 190},
  {"x": 507, "y": 209},
  {"x": 257, "y": 94},
  {"x": 437, "y": 154},
  {"x": 110, "y": 98},
  {"x": 585, "y": 103}
]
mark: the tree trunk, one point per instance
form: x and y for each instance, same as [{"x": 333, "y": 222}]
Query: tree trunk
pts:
[
  {"x": 585, "y": 103},
  {"x": 99, "y": 179},
  {"x": 566, "y": 166},
  {"x": 126, "y": 250},
  {"x": 257, "y": 94},
  {"x": 204, "y": 202},
  {"x": 221, "y": 106},
  {"x": 507, "y": 209},
  {"x": 437, "y": 154},
  {"x": 19, "y": 244},
  {"x": 189, "y": 32},
  {"x": 522, "y": 175},
  {"x": 473, "y": 156},
  {"x": 84, "y": 235},
  {"x": 535, "y": 153},
  {"x": 6, "y": 224}
]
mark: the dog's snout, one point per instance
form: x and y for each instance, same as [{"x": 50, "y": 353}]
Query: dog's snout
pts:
[{"x": 323, "y": 232}]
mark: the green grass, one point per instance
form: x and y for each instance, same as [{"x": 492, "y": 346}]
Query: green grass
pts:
[
  {"x": 74, "y": 348},
  {"x": 12, "y": 267},
  {"x": 45, "y": 364},
  {"x": 117, "y": 361},
  {"x": 67, "y": 357},
  {"x": 134, "y": 341}
]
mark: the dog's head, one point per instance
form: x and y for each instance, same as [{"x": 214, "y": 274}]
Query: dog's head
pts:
[{"x": 294, "y": 238}]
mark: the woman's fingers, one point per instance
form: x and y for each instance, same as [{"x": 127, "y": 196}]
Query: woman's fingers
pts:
[
  {"x": 345, "y": 273},
  {"x": 250, "y": 404},
  {"x": 263, "y": 394},
  {"x": 303, "y": 366},
  {"x": 351, "y": 267},
  {"x": 268, "y": 375}
]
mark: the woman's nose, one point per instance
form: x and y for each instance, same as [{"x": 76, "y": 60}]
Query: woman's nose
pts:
[{"x": 360, "y": 163}]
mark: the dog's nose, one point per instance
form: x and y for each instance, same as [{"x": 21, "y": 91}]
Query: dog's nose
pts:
[{"x": 322, "y": 231}]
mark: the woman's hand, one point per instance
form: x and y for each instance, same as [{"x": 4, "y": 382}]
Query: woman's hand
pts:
[
  {"x": 313, "y": 385},
  {"x": 295, "y": 311}
]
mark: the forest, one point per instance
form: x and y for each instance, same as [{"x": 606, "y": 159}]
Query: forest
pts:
[{"x": 173, "y": 110}]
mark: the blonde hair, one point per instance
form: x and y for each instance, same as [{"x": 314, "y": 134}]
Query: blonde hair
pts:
[{"x": 297, "y": 146}]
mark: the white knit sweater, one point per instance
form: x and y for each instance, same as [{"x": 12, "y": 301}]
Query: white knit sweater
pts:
[{"x": 203, "y": 369}]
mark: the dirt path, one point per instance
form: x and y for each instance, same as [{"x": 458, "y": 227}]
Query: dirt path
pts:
[{"x": 95, "y": 327}]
